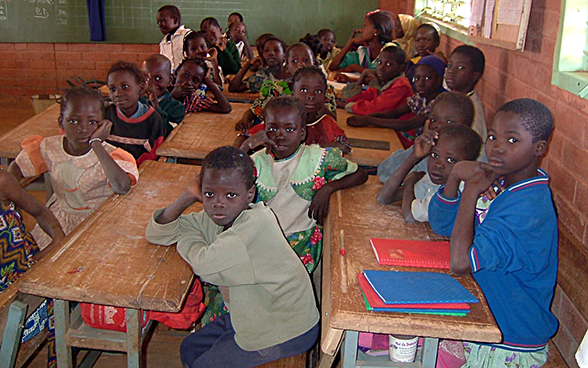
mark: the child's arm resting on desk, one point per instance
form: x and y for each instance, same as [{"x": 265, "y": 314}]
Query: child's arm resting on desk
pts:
[
  {"x": 222, "y": 104},
  {"x": 118, "y": 179}
]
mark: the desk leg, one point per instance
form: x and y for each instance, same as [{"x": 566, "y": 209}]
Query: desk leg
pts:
[
  {"x": 430, "y": 349},
  {"x": 62, "y": 321},
  {"x": 349, "y": 351},
  {"x": 134, "y": 345}
]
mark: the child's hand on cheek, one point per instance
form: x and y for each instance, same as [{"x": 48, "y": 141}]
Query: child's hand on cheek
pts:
[
  {"x": 194, "y": 190},
  {"x": 222, "y": 43},
  {"x": 256, "y": 140},
  {"x": 424, "y": 143},
  {"x": 103, "y": 130},
  {"x": 212, "y": 54},
  {"x": 319, "y": 206},
  {"x": 481, "y": 180}
]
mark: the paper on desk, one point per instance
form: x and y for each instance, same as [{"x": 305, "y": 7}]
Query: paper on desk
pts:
[
  {"x": 337, "y": 85},
  {"x": 509, "y": 12},
  {"x": 582, "y": 353}
]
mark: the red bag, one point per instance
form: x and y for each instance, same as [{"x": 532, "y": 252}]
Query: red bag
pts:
[{"x": 115, "y": 318}]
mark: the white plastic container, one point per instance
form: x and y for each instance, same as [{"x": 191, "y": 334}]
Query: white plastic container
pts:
[{"x": 402, "y": 348}]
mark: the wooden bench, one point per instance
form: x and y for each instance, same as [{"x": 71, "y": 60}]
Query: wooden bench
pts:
[{"x": 296, "y": 361}]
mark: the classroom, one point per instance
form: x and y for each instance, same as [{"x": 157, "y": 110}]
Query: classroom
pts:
[{"x": 43, "y": 45}]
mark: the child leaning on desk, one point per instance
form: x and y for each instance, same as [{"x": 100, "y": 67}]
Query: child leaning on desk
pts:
[
  {"x": 451, "y": 144},
  {"x": 510, "y": 246},
  {"x": 84, "y": 169},
  {"x": 297, "y": 180},
  {"x": 240, "y": 247}
]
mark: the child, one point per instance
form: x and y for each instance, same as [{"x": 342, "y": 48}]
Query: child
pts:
[
  {"x": 510, "y": 248},
  {"x": 157, "y": 68},
  {"x": 228, "y": 55},
  {"x": 196, "y": 45},
  {"x": 136, "y": 127},
  {"x": 308, "y": 86},
  {"x": 84, "y": 169},
  {"x": 298, "y": 56},
  {"x": 328, "y": 50},
  {"x": 451, "y": 144},
  {"x": 241, "y": 248},
  {"x": 234, "y": 17},
  {"x": 426, "y": 42},
  {"x": 464, "y": 69},
  {"x": 270, "y": 63},
  {"x": 389, "y": 90},
  {"x": 448, "y": 108},
  {"x": 168, "y": 21},
  {"x": 377, "y": 30},
  {"x": 192, "y": 82},
  {"x": 405, "y": 33},
  {"x": 238, "y": 34},
  {"x": 296, "y": 180},
  {"x": 428, "y": 80}
]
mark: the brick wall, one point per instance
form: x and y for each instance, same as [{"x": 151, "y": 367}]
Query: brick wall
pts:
[
  {"x": 35, "y": 68},
  {"x": 510, "y": 75}
]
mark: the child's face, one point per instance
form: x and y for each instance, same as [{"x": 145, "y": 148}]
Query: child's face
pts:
[
  {"x": 441, "y": 114},
  {"x": 159, "y": 76},
  {"x": 309, "y": 89},
  {"x": 124, "y": 91},
  {"x": 284, "y": 127},
  {"x": 424, "y": 42},
  {"x": 388, "y": 68},
  {"x": 166, "y": 22},
  {"x": 426, "y": 81},
  {"x": 445, "y": 153},
  {"x": 510, "y": 148},
  {"x": 190, "y": 74},
  {"x": 79, "y": 121},
  {"x": 460, "y": 75},
  {"x": 239, "y": 29},
  {"x": 273, "y": 54},
  {"x": 212, "y": 32},
  {"x": 224, "y": 195},
  {"x": 233, "y": 18},
  {"x": 197, "y": 47},
  {"x": 327, "y": 42},
  {"x": 299, "y": 57}
]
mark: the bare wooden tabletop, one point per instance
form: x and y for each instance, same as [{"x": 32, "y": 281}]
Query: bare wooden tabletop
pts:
[
  {"x": 43, "y": 124},
  {"x": 355, "y": 217},
  {"x": 107, "y": 260},
  {"x": 202, "y": 132}
]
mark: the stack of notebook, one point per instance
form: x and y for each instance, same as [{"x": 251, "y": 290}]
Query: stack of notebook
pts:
[
  {"x": 414, "y": 292},
  {"x": 412, "y": 253}
]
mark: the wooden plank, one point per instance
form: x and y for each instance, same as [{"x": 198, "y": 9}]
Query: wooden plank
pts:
[
  {"x": 43, "y": 124},
  {"x": 107, "y": 260},
  {"x": 354, "y": 217},
  {"x": 239, "y": 97}
]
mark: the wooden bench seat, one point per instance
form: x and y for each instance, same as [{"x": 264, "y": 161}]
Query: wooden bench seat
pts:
[{"x": 296, "y": 361}]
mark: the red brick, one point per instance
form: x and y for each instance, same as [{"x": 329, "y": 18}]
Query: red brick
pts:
[
  {"x": 562, "y": 181},
  {"x": 60, "y": 46},
  {"x": 20, "y": 46},
  {"x": 61, "y": 65},
  {"x": 68, "y": 55},
  {"x": 42, "y": 64},
  {"x": 140, "y": 47},
  {"x": 547, "y": 51},
  {"x": 569, "y": 217},
  {"x": 569, "y": 122},
  {"x": 109, "y": 47},
  {"x": 6, "y": 46},
  {"x": 7, "y": 64},
  {"x": 11, "y": 91},
  {"x": 554, "y": 150},
  {"x": 40, "y": 47},
  {"x": 41, "y": 73},
  {"x": 83, "y": 65},
  {"x": 46, "y": 55},
  {"x": 94, "y": 56},
  {"x": 81, "y": 46},
  {"x": 546, "y": 99},
  {"x": 554, "y": 5},
  {"x": 551, "y": 24},
  {"x": 8, "y": 55}
]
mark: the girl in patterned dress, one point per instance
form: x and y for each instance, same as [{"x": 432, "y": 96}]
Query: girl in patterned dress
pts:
[{"x": 84, "y": 169}]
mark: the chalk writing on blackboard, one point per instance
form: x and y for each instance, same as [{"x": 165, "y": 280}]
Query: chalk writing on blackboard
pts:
[{"x": 2, "y": 9}]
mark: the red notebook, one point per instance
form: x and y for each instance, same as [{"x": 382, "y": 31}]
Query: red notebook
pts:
[
  {"x": 376, "y": 302},
  {"x": 412, "y": 253}
]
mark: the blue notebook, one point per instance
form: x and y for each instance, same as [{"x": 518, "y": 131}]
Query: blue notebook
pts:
[{"x": 417, "y": 287}]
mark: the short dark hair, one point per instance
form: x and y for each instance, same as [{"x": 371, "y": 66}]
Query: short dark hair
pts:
[
  {"x": 194, "y": 35},
  {"x": 470, "y": 142},
  {"x": 383, "y": 22},
  {"x": 237, "y": 14},
  {"x": 80, "y": 93},
  {"x": 288, "y": 102},
  {"x": 259, "y": 41},
  {"x": 273, "y": 38},
  {"x": 535, "y": 117},
  {"x": 198, "y": 61},
  {"x": 300, "y": 44},
  {"x": 173, "y": 11},
  {"x": 461, "y": 104},
  {"x": 474, "y": 55},
  {"x": 230, "y": 158},
  {"x": 312, "y": 41},
  {"x": 159, "y": 59},
  {"x": 324, "y": 31},
  {"x": 397, "y": 52},
  {"x": 431, "y": 27},
  {"x": 125, "y": 66},
  {"x": 210, "y": 21},
  {"x": 312, "y": 69}
]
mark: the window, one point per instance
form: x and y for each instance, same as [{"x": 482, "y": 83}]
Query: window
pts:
[{"x": 570, "y": 61}]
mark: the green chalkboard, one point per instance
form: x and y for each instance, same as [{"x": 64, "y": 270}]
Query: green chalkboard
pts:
[{"x": 133, "y": 21}]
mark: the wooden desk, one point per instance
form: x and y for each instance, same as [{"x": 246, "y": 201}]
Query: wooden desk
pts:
[
  {"x": 107, "y": 260},
  {"x": 43, "y": 124},
  {"x": 202, "y": 132},
  {"x": 243, "y": 97},
  {"x": 354, "y": 217}
]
